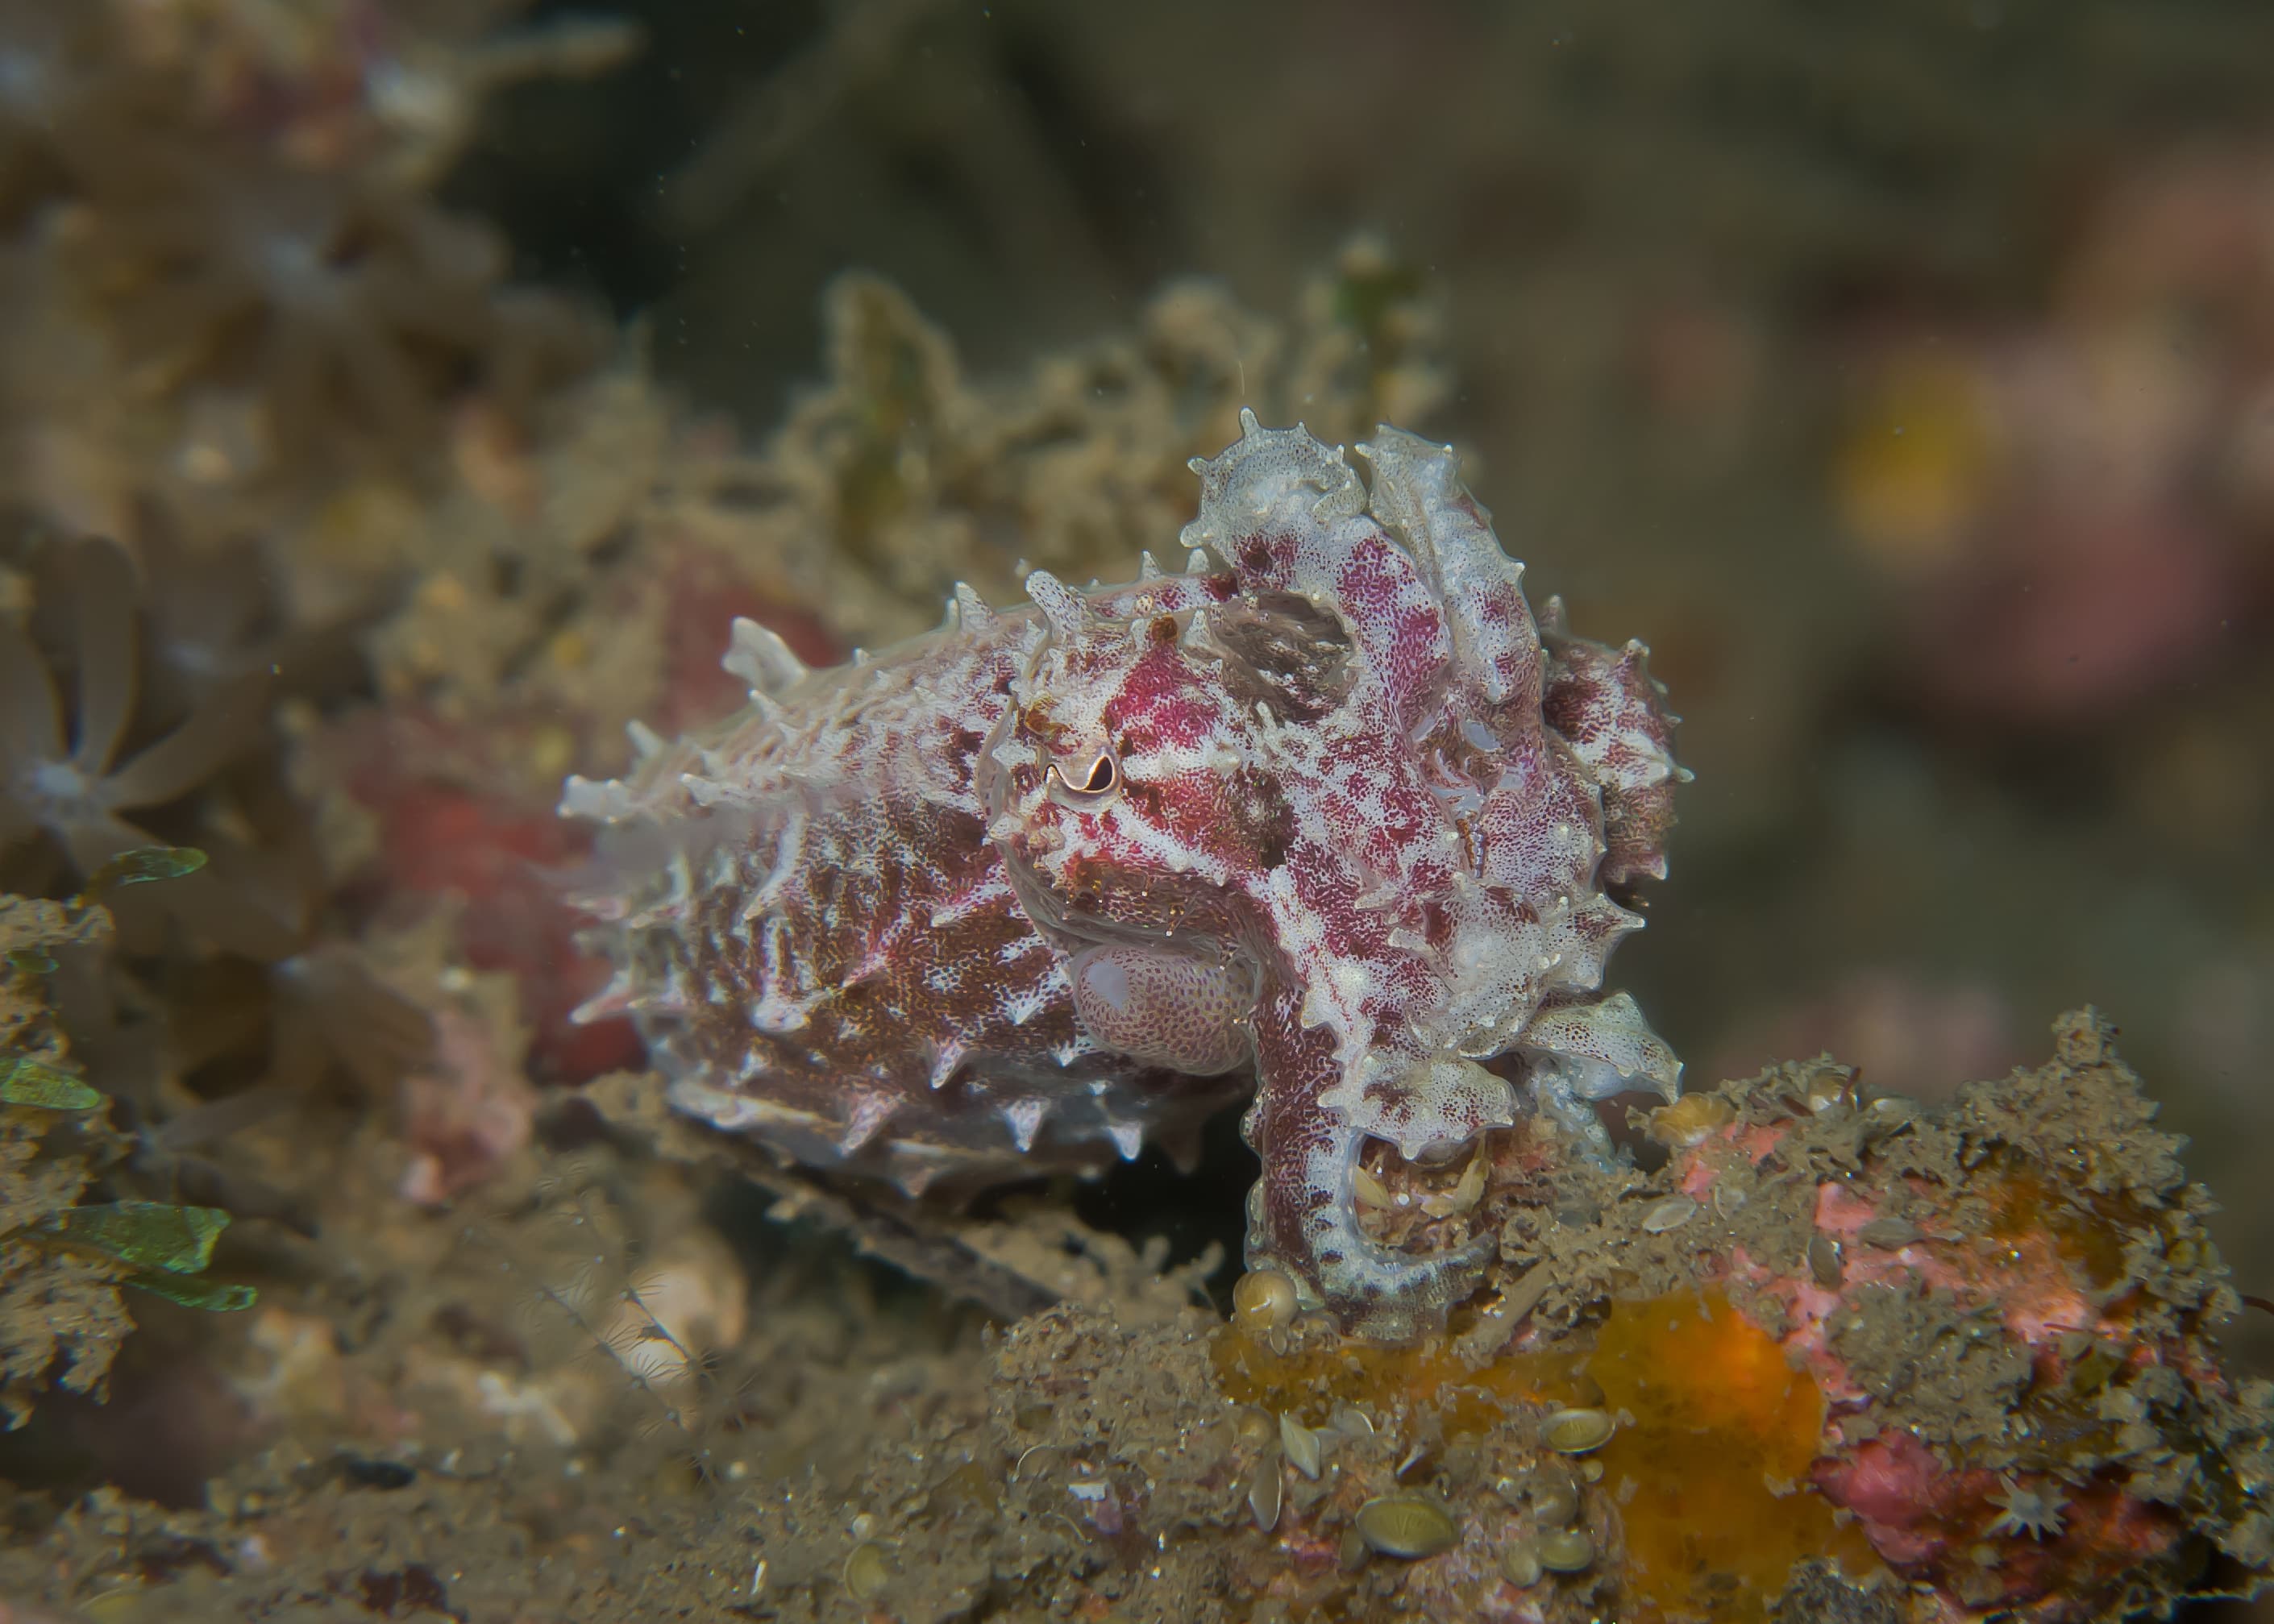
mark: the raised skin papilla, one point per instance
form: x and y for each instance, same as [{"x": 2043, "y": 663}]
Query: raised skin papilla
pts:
[{"x": 1320, "y": 809}]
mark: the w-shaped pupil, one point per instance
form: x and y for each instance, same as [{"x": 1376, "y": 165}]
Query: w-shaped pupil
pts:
[{"x": 1101, "y": 777}]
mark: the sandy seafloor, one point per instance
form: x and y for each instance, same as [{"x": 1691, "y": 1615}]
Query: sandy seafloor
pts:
[{"x": 1906, "y": 380}]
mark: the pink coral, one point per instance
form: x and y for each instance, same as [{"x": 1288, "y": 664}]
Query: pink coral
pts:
[
  {"x": 452, "y": 833},
  {"x": 465, "y": 1113},
  {"x": 2001, "y": 1306}
]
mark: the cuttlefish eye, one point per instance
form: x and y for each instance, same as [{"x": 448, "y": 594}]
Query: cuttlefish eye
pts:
[{"x": 1086, "y": 781}]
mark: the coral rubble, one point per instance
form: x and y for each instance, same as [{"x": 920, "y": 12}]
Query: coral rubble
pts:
[{"x": 1840, "y": 1356}]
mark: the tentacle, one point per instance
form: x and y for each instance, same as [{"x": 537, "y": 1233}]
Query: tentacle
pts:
[
  {"x": 1303, "y": 1213},
  {"x": 1606, "y": 1046},
  {"x": 1593, "y": 1048},
  {"x": 1419, "y": 496}
]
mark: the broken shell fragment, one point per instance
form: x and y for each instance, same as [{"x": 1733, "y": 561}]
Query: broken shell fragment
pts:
[
  {"x": 1690, "y": 1120},
  {"x": 1555, "y": 1502},
  {"x": 866, "y": 1571},
  {"x": 1520, "y": 1565},
  {"x": 1406, "y": 1525},
  {"x": 1264, "y": 1493},
  {"x": 1463, "y": 1196},
  {"x": 1263, "y": 1300},
  {"x": 1888, "y": 1232},
  {"x": 1827, "y": 1091},
  {"x": 1302, "y": 1446},
  {"x": 1671, "y": 1214},
  {"x": 1370, "y": 1190},
  {"x": 1566, "y": 1550},
  {"x": 1576, "y": 1432}
]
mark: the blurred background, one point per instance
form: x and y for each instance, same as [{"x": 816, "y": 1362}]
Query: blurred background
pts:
[{"x": 442, "y": 376}]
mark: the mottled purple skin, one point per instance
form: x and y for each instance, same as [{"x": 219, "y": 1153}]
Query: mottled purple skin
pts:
[{"x": 1322, "y": 817}]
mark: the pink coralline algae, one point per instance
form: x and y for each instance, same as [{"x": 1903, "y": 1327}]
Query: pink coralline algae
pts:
[{"x": 1327, "y": 816}]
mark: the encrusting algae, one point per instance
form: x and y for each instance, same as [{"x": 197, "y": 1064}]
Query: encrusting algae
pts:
[
  {"x": 1695, "y": 1450},
  {"x": 1709, "y": 1476},
  {"x": 2001, "y": 1399}
]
